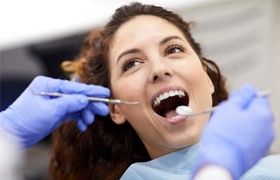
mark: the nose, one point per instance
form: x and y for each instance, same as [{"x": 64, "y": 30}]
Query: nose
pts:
[{"x": 160, "y": 70}]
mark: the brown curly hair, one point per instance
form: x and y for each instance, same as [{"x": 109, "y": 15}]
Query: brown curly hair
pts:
[{"x": 106, "y": 149}]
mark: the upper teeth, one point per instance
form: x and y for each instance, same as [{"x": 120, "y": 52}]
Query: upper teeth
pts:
[{"x": 167, "y": 95}]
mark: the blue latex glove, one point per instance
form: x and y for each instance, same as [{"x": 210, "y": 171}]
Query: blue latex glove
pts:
[
  {"x": 239, "y": 133},
  {"x": 32, "y": 117}
]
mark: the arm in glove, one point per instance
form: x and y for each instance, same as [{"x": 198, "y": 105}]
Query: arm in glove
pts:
[
  {"x": 239, "y": 133},
  {"x": 32, "y": 117}
]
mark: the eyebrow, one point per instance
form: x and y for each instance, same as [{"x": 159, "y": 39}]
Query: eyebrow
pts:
[
  {"x": 130, "y": 51},
  {"x": 162, "y": 42},
  {"x": 165, "y": 40}
]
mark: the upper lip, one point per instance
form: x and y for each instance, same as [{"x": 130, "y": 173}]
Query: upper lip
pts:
[{"x": 166, "y": 89}]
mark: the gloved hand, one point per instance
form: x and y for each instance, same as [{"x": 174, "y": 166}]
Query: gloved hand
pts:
[
  {"x": 239, "y": 132},
  {"x": 32, "y": 117}
]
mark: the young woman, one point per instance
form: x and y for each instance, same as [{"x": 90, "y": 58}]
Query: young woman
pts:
[{"x": 145, "y": 54}]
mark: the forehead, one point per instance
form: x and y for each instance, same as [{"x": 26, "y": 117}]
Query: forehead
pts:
[
  {"x": 147, "y": 24},
  {"x": 141, "y": 29}
]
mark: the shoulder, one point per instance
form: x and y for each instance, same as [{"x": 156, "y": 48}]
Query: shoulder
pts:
[{"x": 266, "y": 168}]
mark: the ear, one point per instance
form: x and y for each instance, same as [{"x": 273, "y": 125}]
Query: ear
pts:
[
  {"x": 116, "y": 114},
  {"x": 210, "y": 83}
]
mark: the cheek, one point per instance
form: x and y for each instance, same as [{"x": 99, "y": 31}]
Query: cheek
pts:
[
  {"x": 192, "y": 72},
  {"x": 124, "y": 87},
  {"x": 198, "y": 80},
  {"x": 127, "y": 89}
]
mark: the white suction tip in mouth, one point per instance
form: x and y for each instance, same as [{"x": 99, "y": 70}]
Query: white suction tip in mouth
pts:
[{"x": 183, "y": 110}]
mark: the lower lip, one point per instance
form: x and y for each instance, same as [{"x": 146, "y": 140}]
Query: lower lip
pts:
[{"x": 174, "y": 120}]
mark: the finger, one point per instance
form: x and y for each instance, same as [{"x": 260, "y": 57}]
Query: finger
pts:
[
  {"x": 70, "y": 104},
  {"x": 99, "y": 108},
  {"x": 81, "y": 125},
  {"x": 88, "y": 116},
  {"x": 42, "y": 83},
  {"x": 80, "y": 88},
  {"x": 264, "y": 117},
  {"x": 243, "y": 96}
]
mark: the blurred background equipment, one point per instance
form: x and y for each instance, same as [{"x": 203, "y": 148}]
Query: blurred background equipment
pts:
[{"x": 242, "y": 36}]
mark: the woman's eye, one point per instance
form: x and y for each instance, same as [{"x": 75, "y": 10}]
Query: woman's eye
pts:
[
  {"x": 174, "y": 49},
  {"x": 129, "y": 64}
]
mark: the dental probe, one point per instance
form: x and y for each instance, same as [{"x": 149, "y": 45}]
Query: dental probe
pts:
[
  {"x": 105, "y": 100},
  {"x": 187, "y": 111}
]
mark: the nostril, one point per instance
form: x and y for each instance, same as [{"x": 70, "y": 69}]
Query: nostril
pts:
[
  {"x": 155, "y": 77},
  {"x": 161, "y": 72},
  {"x": 167, "y": 74}
]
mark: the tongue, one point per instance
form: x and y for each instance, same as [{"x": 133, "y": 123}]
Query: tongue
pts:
[{"x": 170, "y": 114}]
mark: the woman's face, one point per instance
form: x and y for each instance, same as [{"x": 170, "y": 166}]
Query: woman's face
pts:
[{"x": 153, "y": 63}]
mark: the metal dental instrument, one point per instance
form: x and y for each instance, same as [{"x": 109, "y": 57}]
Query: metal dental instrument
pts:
[
  {"x": 105, "y": 100},
  {"x": 181, "y": 110},
  {"x": 202, "y": 112}
]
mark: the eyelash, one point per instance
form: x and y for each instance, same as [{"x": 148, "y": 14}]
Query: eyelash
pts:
[
  {"x": 129, "y": 64},
  {"x": 173, "y": 47}
]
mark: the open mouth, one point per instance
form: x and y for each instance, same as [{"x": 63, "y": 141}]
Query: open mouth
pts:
[{"x": 166, "y": 103}]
